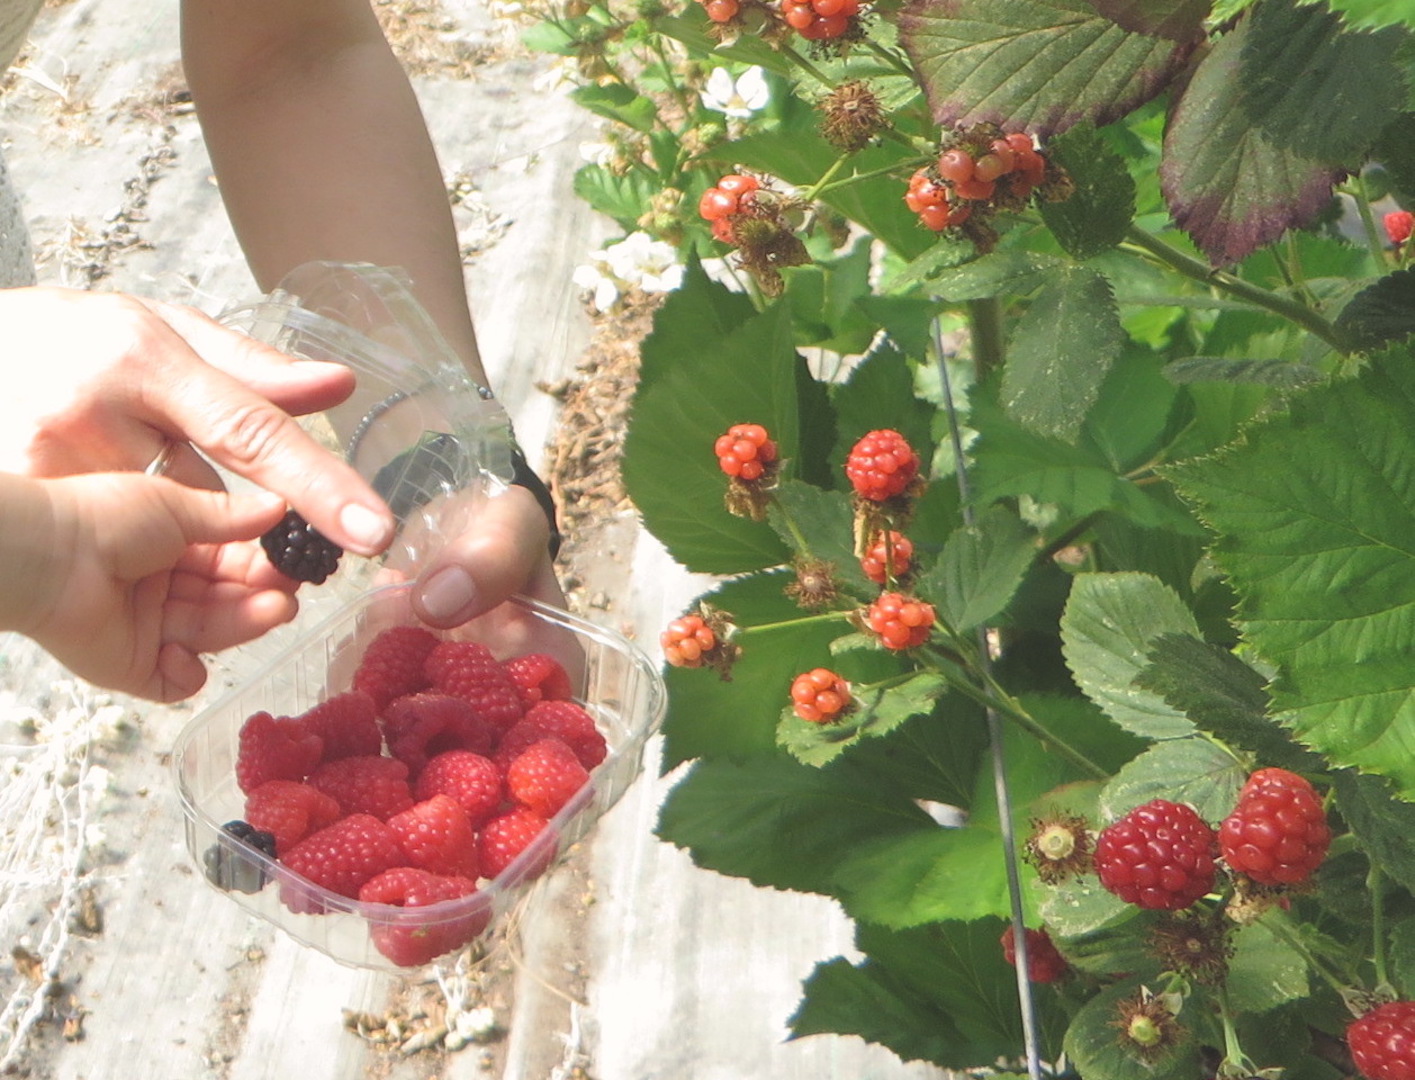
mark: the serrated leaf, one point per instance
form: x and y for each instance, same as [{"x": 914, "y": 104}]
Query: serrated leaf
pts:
[
  {"x": 1400, "y": 956},
  {"x": 1279, "y": 374},
  {"x": 1181, "y": 20},
  {"x": 944, "y": 253},
  {"x": 1096, "y": 1053},
  {"x": 1107, "y": 631},
  {"x": 1308, "y": 82},
  {"x": 1222, "y": 695},
  {"x": 980, "y": 569},
  {"x": 1039, "y": 65},
  {"x": 1371, "y": 14},
  {"x": 1229, "y": 184},
  {"x": 908, "y": 320},
  {"x": 1081, "y": 906},
  {"x": 1097, "y": 214},
  {"x": 826, "y": 520},
  {"x": 1380, "y": 313},
  {"x": 1264, "y": 971},
  {"x": 1190, "y": 770},
  {"x": 1006, "y": 272},
  {"x": 1383, "y": 825},
  {"x": 1315, "y": 517},
  {"x": 622, "y": 198},
  {"x": 618, "y": 101},
  {"x": 877, "y": 712},
  {"x": 1059, "y": 353}
]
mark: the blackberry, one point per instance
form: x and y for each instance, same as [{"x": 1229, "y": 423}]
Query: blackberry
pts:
[
  {"x": 229, "y": 864},
  {"x": 298, "y": 550}
]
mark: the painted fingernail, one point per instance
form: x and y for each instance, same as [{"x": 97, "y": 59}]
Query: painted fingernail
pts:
[
  {"x": 369, "y": 529},
  {"x": 448, "y": 592}
]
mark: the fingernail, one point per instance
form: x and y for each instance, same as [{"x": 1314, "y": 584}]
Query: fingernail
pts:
[
  {"x": 369, "y": 529},
  {"x": 448, "y": 592}
]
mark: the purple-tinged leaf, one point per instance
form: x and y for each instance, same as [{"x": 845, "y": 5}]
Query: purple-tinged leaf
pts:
[
  {"x": 1228, "y": 185},
  {"x": 1035, "y": 65},
  {"x": 1182, "y": 20}
]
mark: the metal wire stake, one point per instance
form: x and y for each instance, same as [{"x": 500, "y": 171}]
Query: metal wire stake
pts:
[{"x": 995, "y": 741}]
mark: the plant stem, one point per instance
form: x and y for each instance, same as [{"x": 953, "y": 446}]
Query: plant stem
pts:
[
  {"x": 889, "y": 57},
  {"x": 787, "y": 624},
  {"x": 1190, "y": 267},
  {"x": 806, "y": 66},
  {"x": 674, "y": 84},
  {"x": 985, "y": 332},
  {"x": 1299, "y": 946},
  {"x": 853, "y": 178},
  {"x": 1368, "y": 222},
  {"x": 1378, "y": 919},
  {"x": 1232, "y": 1051},
  {"x": 816, "y": 188}
]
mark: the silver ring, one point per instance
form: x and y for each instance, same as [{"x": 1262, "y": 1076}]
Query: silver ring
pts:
[{"x": 158, "y": 465}]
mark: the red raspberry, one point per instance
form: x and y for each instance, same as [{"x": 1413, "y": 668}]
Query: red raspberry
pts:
[
  {"x": 271, "y": 748},
  {"x": 820, "y": 695},
  {"x": 505, "y": 836},
  {"x": 437, "y": 835},
  {"x": 1044, "y": 963},
  {"x": 474, "y": 781},
  {"x": 687, "y": 641},
  {"x": 545, "y": 776},
  {"x": 572, "y": 725},
  {"x": 421, "y": 726},
  {"x": 887, "y": 559},
  {"x": 392, "y": 665},
  {"x": 538, "y": 677},
  {"x": 1399, "y": 224},
  {"x": 1382, "y": 1042},
  {"x": 721, "y": 11},
  {"x": 745, "y": 452},
  {"x": 881, "y": 465},
  {"x": 409, "y": 941},
  {"x": 290, "y": 811},
  {"x": 819, "y": 20},
  {"x": 340, "y": 857},
  {"x": 377, "y": 786},
  {"x": 1278, "y": 832},
  {"x": 901, "y": 622},
  {"x": 348, "y": 724},
  {"x": 468, "y": 670},
  {"x": 1158, "y": 856}
]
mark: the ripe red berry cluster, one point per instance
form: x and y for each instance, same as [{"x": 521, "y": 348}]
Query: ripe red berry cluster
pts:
[
  {"x": 888, "y": 556},
  {"x": 745, "y": 452},
  {"x": 721, "y": 11},
  {"x": 900, "y": 621},
  {"x": 820, "y": 696},
  {"x": 881, "y": 465},
  {"x": 731, "y": 196},
  {"x": 1277, "y": 834},
  {"x": 433, "y": 774},
  {"x": 975, "y": 177},
  {"x": 936, "y": 204},
  {"x": 1398, "y": 225},
  {"x": 819, "y": 20},
  {"x": 1159, "y": 856},
  {"x": 1044, "y": 963},
  {"x": 688, "y": 641},
  {"x": 1382, "y": 1042}
]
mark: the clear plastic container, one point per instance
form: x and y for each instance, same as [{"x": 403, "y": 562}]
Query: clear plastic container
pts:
[{"x": 613, "y": 680}]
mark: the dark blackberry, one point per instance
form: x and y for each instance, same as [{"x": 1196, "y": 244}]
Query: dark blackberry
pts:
[
  {"x": 298, "y": 550},
  {"x": 229, "y": 863}
]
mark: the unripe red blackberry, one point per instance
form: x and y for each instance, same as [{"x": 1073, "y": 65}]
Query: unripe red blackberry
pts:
[
  {"x": 881, "y": 465},
  {"x": 900, "y": 621},
  {"x": 1382, "y": 1043},
  {"x": 745, "y": 452},
  {"x": 1278, "y": 832},
  {"x": 1044, "y": 963},
  {"x": 820, "y": 696},
  {"x": 686, "y": 641},
  {"x": 887, "y": 556},
  {"x": 1158, "y": 856}
]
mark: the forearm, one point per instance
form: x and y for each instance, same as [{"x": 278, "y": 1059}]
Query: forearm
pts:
[
  {"x": 320, "y": 147},
  {"x": 28, "y": 551}
]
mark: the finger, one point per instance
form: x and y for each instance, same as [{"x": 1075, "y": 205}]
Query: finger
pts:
[
  {"x": 221, "y": 618},
  {"x": 242, "y": 564},
  {"x": 179, "y": 461},
  {"x": 501, "y": 553},
  {"x": 218, "y": 517},
  {"x": 180, "y": 673},
  {"x": 296, "y": 385}
]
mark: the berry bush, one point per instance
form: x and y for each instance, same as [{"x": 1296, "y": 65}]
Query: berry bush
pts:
[{"x": 1063, "y": 351}]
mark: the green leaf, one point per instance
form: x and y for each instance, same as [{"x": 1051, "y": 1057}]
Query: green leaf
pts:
[
  {"x": 1279, "y": 374},
  {"x": 1383, "y": 824},
  {"x": 1060, "y": 352},
  {"x": 751, "y": 373},
  {"x": 1095, "y": 217},
  {"x": 826, "y": 520},
  {"x": 1228, "y": 183},
  {"x": 699, "y": 310},
  {"x": 711, "y": 717},
  {"x": 1081, "y": 906},
  {"x": 1189, "y": 770},
  {"x": 1368, "y": 14},
  {"x": 877, "y": 712},
  {"x": 1264, "y": 971},
  {"x": 1222, "y": 695},
  {"x": 908, "y": 320},
  {"x": 1005, "y": 272},
  {"x": 1315, "y": 517},
  {"x": 980, "y": 569},
  {"x": 943, "y": 254},
  {"x": 622, "y": 198},
  {"x": 1039, "y": 65},
  {"x": 826, "y": 313},
  {"x": 880, "y": 394},
  {"x": 1400, "y": 956},
  {"x": 1110, "y": 625},
  {"x": 1380, "y": 313},
  {"x": 620, "y": 102},
  {"x": 747, "y": 48},
  {"x": 1097, "y": 1054},
  {"x": 1308, "y": 82},
  {"x": 1181, "y": 20}
]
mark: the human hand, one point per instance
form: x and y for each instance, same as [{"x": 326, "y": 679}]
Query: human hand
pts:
[
  {"x": 110, "y": 379},
  {"x": 126, "y": 578}
]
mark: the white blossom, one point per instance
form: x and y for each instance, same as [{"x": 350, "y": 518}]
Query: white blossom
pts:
[
  {"x": 636, "y": 262},
  {"x": 738, "y": 98}
]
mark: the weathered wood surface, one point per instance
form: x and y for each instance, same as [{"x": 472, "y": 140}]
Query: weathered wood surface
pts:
[{"x": 631, "y": 964}]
